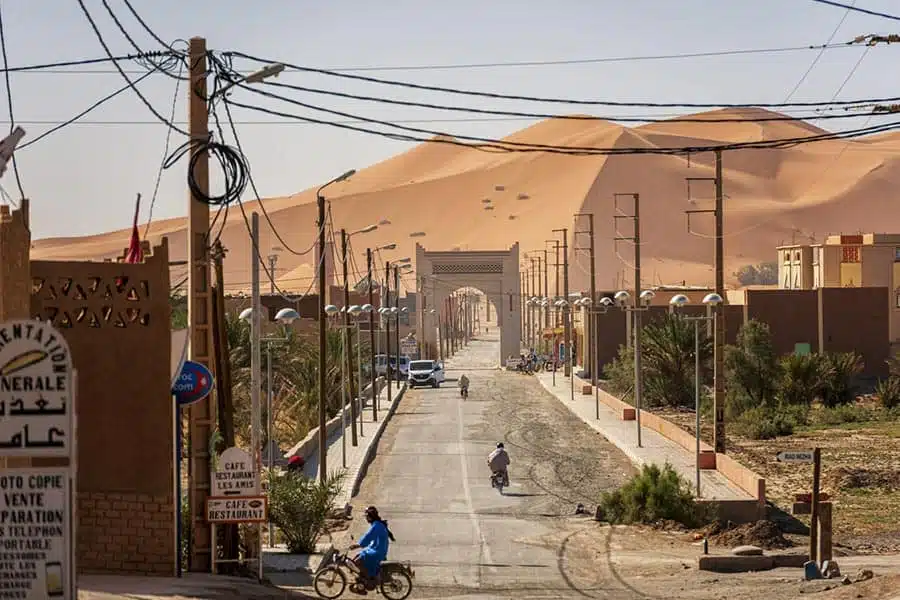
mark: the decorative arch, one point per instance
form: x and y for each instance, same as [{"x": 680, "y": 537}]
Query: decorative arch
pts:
[{"x": 494, "y": 272}]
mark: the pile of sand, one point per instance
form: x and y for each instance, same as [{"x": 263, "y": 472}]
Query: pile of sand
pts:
[{"x": 763, "y": 534}]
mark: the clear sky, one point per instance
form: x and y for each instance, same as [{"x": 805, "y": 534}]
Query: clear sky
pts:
[{"x": 83, "y": 179}]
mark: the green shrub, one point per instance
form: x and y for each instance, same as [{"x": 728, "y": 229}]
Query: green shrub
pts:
[
  {"x": 766, "y": 422},
  {"x": 840, "y": 384},
  {"x": 300, "y": 506},
  {"x": 652, "y": 495},
  {"x": 888, "y": 392},
  {"x": 843, "y": 413},
  {"x": 803, "y": 378},
  {"x": 619, "y": 373},
  {"x": 752, "y": 370}
]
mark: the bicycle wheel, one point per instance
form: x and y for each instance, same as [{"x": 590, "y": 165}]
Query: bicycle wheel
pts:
[
  {"x": 396, "y": 585},
  {"x": 330, "y": 582}
]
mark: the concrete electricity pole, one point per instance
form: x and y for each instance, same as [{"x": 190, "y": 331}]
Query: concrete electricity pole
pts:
[
  {"x": 718, "y": 311},
  {"x": 567, "y": 310},
  {"x": 589, "y": 363},
  {"x": 202, "y": 415},
  {"x": 636, "y": 308},
  {"x": 386, "y": 303},
  {"x": 346, "y": 338},
  {"x": 372, "y": 375},
  {"x": 273, "y": 260}
]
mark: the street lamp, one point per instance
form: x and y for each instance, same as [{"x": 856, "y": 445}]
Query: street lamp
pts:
[
  {"x": 712, "y": 301},
  {"x": 285, "y": 316},
  {"x": 355, "y": 311},
  {"x": 641, "y": 304},
  {"x": 323, "y": 315},
  {"x": 333, "y": 311}
]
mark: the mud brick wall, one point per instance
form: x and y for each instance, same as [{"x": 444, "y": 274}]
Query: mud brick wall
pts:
[{"x": 125, "y": 533}]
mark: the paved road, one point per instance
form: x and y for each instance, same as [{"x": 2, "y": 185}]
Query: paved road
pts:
[{"x": 431, "y": 482}]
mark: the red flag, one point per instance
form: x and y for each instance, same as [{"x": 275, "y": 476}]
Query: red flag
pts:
[{"x": 135, "y": 253}]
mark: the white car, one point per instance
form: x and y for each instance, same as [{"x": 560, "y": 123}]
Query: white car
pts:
[{"x": 426, "y": 372}]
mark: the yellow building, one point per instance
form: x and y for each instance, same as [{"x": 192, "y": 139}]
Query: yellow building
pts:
[{"x": 861, "y": 260}]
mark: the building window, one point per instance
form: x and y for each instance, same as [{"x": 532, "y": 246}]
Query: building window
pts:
[
  {"x": 797, "y": 256},
  {"x": 787, "y": 256},
  {"x": 850, "y": 254}
]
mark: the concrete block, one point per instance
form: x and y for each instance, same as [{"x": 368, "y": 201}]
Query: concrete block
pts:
[
  {"x": 795, "y": 561},
  {"x": 735, "y": 564},
  {"x": 628, "y": 414},
  {"x": 708, "y": 460},
  {"x": 587, "y": 389}
]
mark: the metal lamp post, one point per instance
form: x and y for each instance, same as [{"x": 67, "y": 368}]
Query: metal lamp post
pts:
[
  {"x": 355, "y": 311},
  {"x": 641, "y": 304},
  {"x": 712, "y": 301},
  {"x": 332, "y": 311}
]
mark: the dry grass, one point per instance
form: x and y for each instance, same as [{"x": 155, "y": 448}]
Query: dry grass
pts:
[{"x": 860, "y": 466}]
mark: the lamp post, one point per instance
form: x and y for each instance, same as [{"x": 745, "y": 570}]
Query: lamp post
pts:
[
  {"x": 587, "y": 305},
  {"x": 355, "y": 311},
  {"x": 369, "y": 264},
  {"x": 640, "y": 304},
  {"x": 320, "y": 223},
  {"x": 285, "y": 316},
  {"x": 712, "y": 301},
  {"x": 332, "y": 311}
]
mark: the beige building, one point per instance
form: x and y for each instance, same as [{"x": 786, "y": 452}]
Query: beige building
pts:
[{"x": 861, "y": 260}]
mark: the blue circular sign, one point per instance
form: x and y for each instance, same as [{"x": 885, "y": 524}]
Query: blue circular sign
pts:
[{"x": 194, "y": 383}]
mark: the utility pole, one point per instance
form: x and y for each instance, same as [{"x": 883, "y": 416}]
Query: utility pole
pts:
[
  {"x": 636, "y": 308},
  {"x": 556, "y": 281},
  {"x": 273, "y": 260},
  {"x": 718, "y": 311},
  {"x": 567, "y": 312},
  {"x": 719, "y": 342},
  {"x": 372, "y": 334},
  {"x": 590, "y": 360},
  {"x": 323, "y": 389},
  {"x": 202, "y": 415},
  {"x": 397, "y": 332},
  {"x": 346, "y": 339},
  {"x": 386, "y": 302},
  {"x": 255, "y": 344}
]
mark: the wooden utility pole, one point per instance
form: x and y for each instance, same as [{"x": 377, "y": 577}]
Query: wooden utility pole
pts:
[
  {"x": 372, "y": 375},
  {"x": 348, "y": 338},
  {"x": 201, "y": 415},
  {"x": 719, "y": 341}
]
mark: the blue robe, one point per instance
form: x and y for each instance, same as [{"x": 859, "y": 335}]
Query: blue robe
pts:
[{"x": 374, "y": 547}]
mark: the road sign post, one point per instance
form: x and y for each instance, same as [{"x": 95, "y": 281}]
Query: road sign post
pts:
[
  {"x": 813, "y": 456},
  {"x": 235, "y": 498},
  {"x": 37, "y": 420}
]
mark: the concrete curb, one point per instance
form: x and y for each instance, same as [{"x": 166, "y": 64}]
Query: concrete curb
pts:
[{"x": 373, "y": 443}]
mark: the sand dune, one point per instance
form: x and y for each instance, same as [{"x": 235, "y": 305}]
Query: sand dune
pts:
[{"x": 772, "y": 197}]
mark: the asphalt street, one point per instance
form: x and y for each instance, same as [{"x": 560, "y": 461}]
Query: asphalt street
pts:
[{"x": 431, "y": 481}]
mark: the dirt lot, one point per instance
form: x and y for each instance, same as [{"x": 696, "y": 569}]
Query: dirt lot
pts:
[{"x": 860, "y": 471}]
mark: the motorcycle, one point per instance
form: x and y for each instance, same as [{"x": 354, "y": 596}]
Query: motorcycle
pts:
[
  {"x": 500, "y": 480},
  {"x": 394, "y": 579}
]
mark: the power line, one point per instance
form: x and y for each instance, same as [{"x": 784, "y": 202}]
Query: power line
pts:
[
  {"x": 9, "y": 102},
  {"x": 548, "y": 100},
  {"x": 857, "y": 9},
  {"x": 162, "y": 164},
  {"x": 73, "y": 120},
  {"x": 106, "y": 49},
  {"x": 58, "y": 68},
  {"x": 484, "y": 143},
  {"x": 821, "y": 52},
  {"x": 48, "y": 67},
  {"x": 531, "y": 115}
]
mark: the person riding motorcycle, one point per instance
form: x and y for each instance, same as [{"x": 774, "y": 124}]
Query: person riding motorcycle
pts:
[
  {"x": 374, "y": 544},
  {"x": 463, "y": 385},
  {"x": 498, "y": 461}
]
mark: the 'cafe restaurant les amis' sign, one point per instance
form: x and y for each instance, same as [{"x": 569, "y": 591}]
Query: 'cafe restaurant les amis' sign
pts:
[{"x": 35, "y": 394}]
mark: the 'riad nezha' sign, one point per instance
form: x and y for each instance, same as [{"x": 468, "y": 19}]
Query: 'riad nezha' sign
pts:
[{"x": 35, "y": 390}]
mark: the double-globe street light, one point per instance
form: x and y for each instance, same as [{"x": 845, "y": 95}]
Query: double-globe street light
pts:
[
  {"x": 711, "y": 301},
  {"x": 285, "y": 316}
]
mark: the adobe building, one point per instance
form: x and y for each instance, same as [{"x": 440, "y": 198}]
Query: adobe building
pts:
[{"x": 870, "y": 260}]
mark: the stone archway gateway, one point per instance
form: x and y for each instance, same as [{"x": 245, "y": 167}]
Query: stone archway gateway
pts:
[{"x": 494, "y": 272}]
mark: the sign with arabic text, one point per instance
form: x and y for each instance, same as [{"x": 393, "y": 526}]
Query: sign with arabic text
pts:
[
  {"x": 36, "y": 535},
  {"x": 35, "y": 390}
]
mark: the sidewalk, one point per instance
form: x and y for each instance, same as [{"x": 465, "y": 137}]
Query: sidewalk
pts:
[
  {"x": 353, "y": 461},
  {"x": 655, "y": 448}
]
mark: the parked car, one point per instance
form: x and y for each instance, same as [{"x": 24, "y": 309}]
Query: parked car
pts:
[
  {"x": 381, "y": 365},
  {"x": 426, "y": 372},
  {"x": 404, "y": 367}
]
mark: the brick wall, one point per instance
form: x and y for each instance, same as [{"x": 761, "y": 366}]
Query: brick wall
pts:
[{"x": 125, "y": 533}]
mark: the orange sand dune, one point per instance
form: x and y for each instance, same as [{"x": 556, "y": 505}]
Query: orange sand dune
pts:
[{"x": 772, "y": 197}]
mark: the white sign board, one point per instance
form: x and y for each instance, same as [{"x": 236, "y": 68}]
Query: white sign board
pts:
[
  {"x": 36, "y": 535},
  {"x": 36, "y": 414},
  {"x": 795, "y": 456},
  {"x": 235, "y": 474},
  {"x": 240, "y": 509},
  {"x": 408, "y": 346}
]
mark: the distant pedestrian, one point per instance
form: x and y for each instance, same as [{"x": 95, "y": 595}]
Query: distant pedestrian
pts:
[{"x": 295, "y": 465}]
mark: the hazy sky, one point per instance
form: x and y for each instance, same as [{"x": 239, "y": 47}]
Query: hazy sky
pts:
[{"x": 83, "y": 179}]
